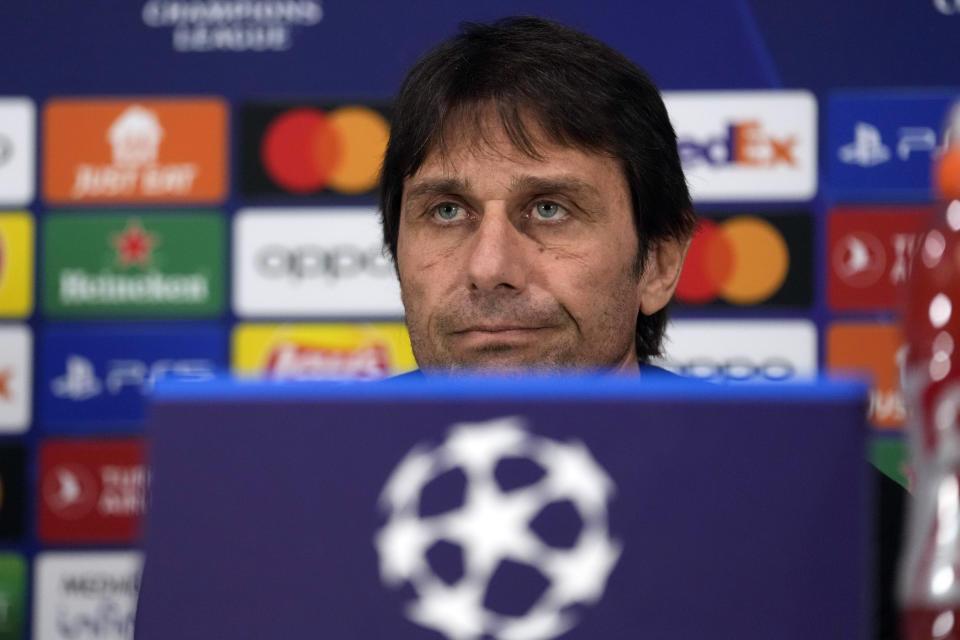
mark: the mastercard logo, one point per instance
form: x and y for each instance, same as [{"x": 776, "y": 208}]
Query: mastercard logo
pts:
[
  {"x": 742, "y": 260},
  {"x": 307, "y": 149}
]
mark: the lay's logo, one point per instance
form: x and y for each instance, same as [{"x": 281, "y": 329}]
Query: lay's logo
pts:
[{"x": 322, "y": 351}]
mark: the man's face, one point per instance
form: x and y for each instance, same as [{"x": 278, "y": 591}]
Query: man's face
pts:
[{"x": 508, "y": 262}]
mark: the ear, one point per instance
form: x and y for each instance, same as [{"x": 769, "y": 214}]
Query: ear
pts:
[{"x": 661, "y": 273}]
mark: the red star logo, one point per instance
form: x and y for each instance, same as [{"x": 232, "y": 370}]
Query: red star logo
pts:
[
  {"x": 5, "y": 384},
  {"x": 134, "y": 244}
]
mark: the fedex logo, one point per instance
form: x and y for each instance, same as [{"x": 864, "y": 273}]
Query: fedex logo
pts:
[
  {"x": 743, "y": 143},
  {"x": 98, "y": 377},
  {"x": 746, "y": 145}
]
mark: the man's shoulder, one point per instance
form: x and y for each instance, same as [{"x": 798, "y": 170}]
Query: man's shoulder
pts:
[{"x": 646, "y": 371}]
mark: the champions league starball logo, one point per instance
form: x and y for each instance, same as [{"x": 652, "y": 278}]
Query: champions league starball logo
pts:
[{"x": 508, "y": 492}]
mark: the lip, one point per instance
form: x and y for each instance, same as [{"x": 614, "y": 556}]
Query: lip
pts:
[{"x": 496, "y": 329}]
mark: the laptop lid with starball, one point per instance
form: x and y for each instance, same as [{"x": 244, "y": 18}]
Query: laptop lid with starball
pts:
[{"x": 523, "y": 509}]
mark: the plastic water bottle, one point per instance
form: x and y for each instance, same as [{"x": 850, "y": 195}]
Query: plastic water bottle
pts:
[{"x": 929, "y": 583}]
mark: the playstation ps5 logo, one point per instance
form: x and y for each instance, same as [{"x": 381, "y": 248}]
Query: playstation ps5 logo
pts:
[
  {"x": 498, "y": 532},
  {"x": 868, "y": 150},
  {"x": 80, "y": 382}
]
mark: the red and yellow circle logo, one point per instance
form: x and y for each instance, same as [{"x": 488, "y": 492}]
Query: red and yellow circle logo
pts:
[
  {"x": 307, "y": 149},
  {"x": 742, "y": 260}
]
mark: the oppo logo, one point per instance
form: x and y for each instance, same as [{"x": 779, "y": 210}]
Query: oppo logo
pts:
[
  {"x": 6, "y": 150},
  {"x": 333, "y": 263},
  {"x": 739, "y": 369},
  {"x": 947, "y": 7}
]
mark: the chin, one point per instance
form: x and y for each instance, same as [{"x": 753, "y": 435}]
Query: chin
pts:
[{"x": 503, "y": 362}]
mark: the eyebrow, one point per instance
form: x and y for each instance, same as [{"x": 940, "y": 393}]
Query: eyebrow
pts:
[
  {"x": 557, "y": 184},
  {"x": 522, "y": 184},
  {"x": 437, "y": 187}
]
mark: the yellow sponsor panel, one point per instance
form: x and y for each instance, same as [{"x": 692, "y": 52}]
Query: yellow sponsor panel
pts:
[
  {"x": 321, "y": 351},
  {"x": 16, "y": 264}
]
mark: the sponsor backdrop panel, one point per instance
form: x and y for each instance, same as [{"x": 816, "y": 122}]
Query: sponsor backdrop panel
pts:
[
  {"x": 13, "y": 501},
  {"x": 742, "y": 350},
  {"x": 91, "y": 490},
  {"x": 133, "y": 264},
  {"x": 16, "y": 378},
  {"x": 17, "y": 150},
  {"x": 13, "y": 576},
  {"x": 870, "y": 250},
  {"x": 750, "y": 260},
  {"x": 745, "y": 146},
  {"x": 138, "y": 150},
  {"x": 874, "y": 350},
  {"x": 312, "y": 149},
  {"x": 96, "y": 377},
  {"x": 312, "y": 262},
  {"x": 321, "y": 351},
  {"x": 884, "y": 146},
  {"x": 144, "y": 116},
  {"x": 74, "y": 592},
  {"x": 16, "y": 264}
]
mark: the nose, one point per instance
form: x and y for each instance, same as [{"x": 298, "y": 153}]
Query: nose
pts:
[{"x": 497, "y": 259}]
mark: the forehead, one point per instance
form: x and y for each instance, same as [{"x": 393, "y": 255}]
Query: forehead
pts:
[{"x": 520, "y": 145}]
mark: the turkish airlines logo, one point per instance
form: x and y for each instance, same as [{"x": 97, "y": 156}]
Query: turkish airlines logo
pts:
[
  {"x": 150, "y": 150},
  {"x": 70, "y": 491},
  {"x": 91, "y": 490},
  {"x": 859, "y": 259},
  {"x": 870, "y": 251}
]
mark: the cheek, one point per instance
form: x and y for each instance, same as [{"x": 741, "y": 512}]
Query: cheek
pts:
[{"x": 596, "y": 286}]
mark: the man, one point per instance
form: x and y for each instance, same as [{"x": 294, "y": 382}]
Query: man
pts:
[
  {"x": 535, "y": 207},
  {"x": 534, "y": 203}
]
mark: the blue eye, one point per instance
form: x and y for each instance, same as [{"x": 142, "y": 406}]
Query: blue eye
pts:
[
  {"x": 549, "y": 211},
  {"x": 447, "y": 211}
]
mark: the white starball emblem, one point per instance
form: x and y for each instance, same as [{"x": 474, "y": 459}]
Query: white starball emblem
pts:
[{"x": 491, "y": 526}]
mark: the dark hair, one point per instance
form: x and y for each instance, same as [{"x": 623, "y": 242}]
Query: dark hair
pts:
[{"x": 581, "y": 92}]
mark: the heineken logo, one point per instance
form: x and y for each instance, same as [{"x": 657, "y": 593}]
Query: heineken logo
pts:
[
  {"x": 134, "y": 245},
  {"x": 155, "y": 264}
]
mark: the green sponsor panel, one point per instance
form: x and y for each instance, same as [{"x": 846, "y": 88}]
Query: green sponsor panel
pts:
[
  {"x": 889, "y": 454},
  {"x": 133, "y": 265},
  {"x": 13, "y": 573}
]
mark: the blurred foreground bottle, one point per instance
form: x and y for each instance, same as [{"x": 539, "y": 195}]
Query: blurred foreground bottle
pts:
[{"x": 929, "y": 589}]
